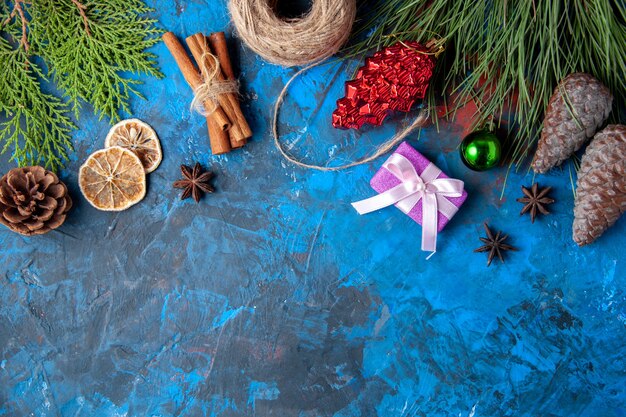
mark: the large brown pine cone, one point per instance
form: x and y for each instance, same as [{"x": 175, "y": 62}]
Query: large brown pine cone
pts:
[
  {"x": 601, "y": 191},
  {"x": 33, "y": 201},
  {"x": 579, "y": 105}
]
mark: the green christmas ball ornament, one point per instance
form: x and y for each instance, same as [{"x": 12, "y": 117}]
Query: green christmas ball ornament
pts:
[{"x": 480, "y": 150}]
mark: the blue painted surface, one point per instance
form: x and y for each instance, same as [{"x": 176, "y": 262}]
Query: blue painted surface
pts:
[{"x": 273, "y": 298}]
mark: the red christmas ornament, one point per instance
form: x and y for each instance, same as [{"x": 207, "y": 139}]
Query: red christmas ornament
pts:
[{"x": 393, "y": 79}]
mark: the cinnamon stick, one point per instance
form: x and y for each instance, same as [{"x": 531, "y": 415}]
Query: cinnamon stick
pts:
[
  {"x": 219, "y": 139},
  {"x": 217, "y": 122},
  {"x": 199, "y": 47},
  {"x": 217, "y": 42}
]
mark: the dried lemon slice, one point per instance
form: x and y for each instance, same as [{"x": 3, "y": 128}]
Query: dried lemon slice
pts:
[
  {"x": 138, "y": 137},
  {"x": 112, "y": 179}
]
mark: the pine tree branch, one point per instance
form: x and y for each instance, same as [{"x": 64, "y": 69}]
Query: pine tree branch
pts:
[
  {"x": 19, "y": 10},
  {"x": 9, "y": 18},
  {"x": 81, "y": 9},
  {"x": 35, "y": 127},
  {"x": 91, "y": 49},
  {"x": 510, "y": 68}
]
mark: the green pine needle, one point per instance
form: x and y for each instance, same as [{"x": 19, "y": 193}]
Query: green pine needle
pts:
[
  {"x": 35, "y": 126},
  {"x": 507, "y": 55}
]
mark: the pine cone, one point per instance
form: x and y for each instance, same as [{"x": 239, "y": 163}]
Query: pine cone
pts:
[
  {"x": 601, "y": 190},
  {"x": 579, "y": 105},
  {"x": 33, "y": 201}
]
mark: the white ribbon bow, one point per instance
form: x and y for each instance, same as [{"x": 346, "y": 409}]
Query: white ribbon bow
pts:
[{"x": 413, "y": 188}]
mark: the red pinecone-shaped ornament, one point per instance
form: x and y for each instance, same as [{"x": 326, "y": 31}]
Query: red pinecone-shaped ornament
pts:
[{"x": 393, "y": 79}]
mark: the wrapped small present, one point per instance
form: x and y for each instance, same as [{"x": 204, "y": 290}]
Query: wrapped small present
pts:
[{"x": 417, "y": 187}]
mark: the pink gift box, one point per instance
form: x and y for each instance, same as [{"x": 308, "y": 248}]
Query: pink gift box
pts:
[{"x": 384, "y": 180}]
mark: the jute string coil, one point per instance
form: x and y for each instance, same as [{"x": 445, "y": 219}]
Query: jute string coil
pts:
[
  {"x": 211, "y": 88},
  {"x": 420, "y": 120},
  {"x": 296, "y": 41},
  {"x": 307, "y": 40}
]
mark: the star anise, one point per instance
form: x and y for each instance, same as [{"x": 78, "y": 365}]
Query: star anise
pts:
[
  {"x": 494, "y": 245},
  {"x": 195, "y": 183},
  {"x": 535, "y": 200}
]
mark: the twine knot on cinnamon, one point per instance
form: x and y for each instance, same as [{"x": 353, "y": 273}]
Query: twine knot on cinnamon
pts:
[{"x": 205, "y": 100}]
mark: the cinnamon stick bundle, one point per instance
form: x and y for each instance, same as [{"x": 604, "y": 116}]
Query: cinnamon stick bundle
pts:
[
  {"x": 239, "y": 130},
  {"x": 227, "y": 125},
  {"x": 217, "y": 121}
]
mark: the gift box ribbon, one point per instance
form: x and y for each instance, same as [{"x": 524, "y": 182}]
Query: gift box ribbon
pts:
[{"x": 413, "y": 188}]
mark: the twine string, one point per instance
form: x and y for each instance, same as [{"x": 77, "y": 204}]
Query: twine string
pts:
[
  {"x": 205, "y": 100},
  {"x": 307, "y": 40},
  {"x": 420, "y": 120}
]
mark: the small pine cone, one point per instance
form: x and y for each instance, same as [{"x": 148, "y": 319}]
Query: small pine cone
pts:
[
  {"x": 33, "y": 201},
  {"x": 601, "y": 190},
  {"x": 579, "y": 105}
]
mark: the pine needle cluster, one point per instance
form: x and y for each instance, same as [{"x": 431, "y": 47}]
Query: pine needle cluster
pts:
[
  {"x": 37, "y": 127},
  {"x": 507, "y": 54},
  {"x": 89, "y": 50}
]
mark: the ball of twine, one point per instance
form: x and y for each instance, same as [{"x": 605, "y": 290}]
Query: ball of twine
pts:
[{"x": 295, "y": 41}]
